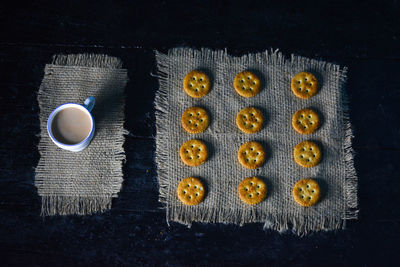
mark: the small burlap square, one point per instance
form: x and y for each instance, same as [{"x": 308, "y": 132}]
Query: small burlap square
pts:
[
  {"x": 222, "y": 173},
  {"x": 82, "y": 182}
]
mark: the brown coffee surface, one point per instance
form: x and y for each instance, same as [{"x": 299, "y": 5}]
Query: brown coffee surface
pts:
[{"x": 71, "y": 126}]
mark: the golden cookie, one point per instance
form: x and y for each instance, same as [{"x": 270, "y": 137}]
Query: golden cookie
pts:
[
  {"x": 196, "y": 84},
  {"x": 307, "y": 154},
  {"x": 250, "y": 120},
  {"x": 305, "y": 121},
  {"x": 195, "y": 120},
  {"x": 251, "y": 155},
  {"x": 306, "y": 192},
  {"x": 193, "y": 152},
  {"x": 304, "y": 85},
  {"x": 252, "y": 190},
  {"x": 247, "y": 84},
  {"x": 191, "y": 191}
]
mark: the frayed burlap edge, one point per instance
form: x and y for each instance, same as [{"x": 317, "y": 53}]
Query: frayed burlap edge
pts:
[
  {"x": 351, "y": 186},
  {"x": 61, "y": 205},
  {"x": 87, "y": 60}
]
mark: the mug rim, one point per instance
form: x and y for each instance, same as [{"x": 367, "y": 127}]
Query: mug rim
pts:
[{"x": 54, "y": 113}]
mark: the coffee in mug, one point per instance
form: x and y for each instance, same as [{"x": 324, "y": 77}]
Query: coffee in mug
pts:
[{"x": 71, "y": 126}]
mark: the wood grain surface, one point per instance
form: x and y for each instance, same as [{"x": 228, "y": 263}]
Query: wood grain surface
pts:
[{"x": 363, "y": 36}]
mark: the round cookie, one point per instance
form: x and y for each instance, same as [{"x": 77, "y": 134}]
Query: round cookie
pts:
[
  {"x": 247, "y": 84},
  {"x": 191, "y": 191},
  {"x": 251, "y": 155},
  {"x": 306, "y": 192},
  {"x": 193, "y": 152},
  {"x": 252, "y": 190},
  {"x": 305, "y": 121},
  {"x": 195, "y": 120},
  {"x": 196, "y": 84},
  {"x": 250, "y": 120},
  {"x": 307, "y": 154},
  {"x": 304, "y": 85}
]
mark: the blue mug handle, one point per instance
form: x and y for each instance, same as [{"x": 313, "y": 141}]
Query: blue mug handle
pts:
[{"x": 89, "y": 103}]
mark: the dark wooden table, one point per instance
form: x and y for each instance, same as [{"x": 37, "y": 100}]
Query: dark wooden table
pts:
[{"x": 363, "y": 36}]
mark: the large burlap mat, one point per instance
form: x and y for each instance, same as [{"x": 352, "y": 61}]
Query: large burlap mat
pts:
[
  {"x": 82, "y": 182},
  {"x": 222, "y": 173}
]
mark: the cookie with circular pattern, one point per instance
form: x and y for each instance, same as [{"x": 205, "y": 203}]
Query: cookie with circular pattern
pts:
[
  {"x": 195, "y": 120},
  {"x": 252, "y": 190},
  {"x": 250, "y": 120},
  {"x": 251, "y": 155},
  {"x": 191, "y": 191},
  {"x": 193, "y": 153},
  {"x": 307, "y": 154},
  {"x": 304, "y": 85},
  {"x": 247, "y": 84},
  {"x": 197, "y": 84},
  {"x": 305, "y": 121},
  {"x": 306, "y": 192}
]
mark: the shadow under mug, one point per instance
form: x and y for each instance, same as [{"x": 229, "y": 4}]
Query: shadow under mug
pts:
[{"x": 87, "y": 108}]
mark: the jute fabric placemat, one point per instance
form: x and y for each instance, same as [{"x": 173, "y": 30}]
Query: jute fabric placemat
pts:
[
  {"x": 82, "y": 182},
  {"x": 222, "y": 173}
]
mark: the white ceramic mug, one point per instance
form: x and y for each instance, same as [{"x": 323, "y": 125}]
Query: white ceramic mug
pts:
[{"x": 87, "y": 108}]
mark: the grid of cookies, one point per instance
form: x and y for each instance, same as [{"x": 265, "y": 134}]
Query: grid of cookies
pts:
[
  {"x": 221, "y": 173},
  {"x": 252, "y": 154}
]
